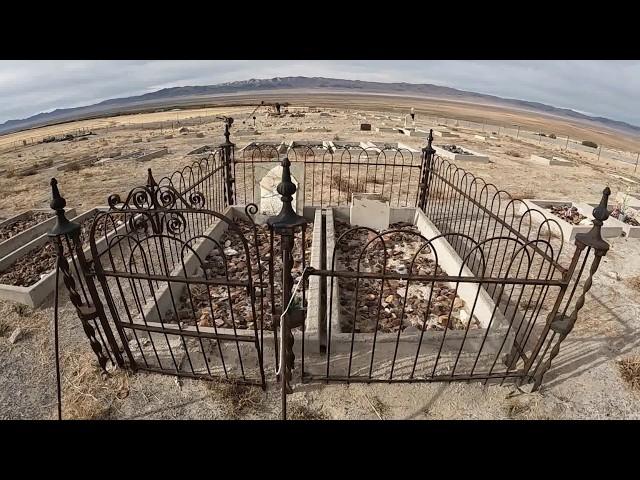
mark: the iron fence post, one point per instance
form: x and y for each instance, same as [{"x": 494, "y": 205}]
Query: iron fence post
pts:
[
  {"x": 85, "y": 311},
  {"x": 427, "y": 165},
  {"x": 285, "y": 224},
  {"x": 228, "y": 154},
  {"x": 562, "y": 324}
]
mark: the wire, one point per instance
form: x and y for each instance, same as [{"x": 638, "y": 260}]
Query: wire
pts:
[
  {"x": 55, "y": 342},
  {"x": 293, "y": 295}
]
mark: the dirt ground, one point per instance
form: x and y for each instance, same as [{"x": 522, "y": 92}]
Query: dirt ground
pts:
[{"x": 585, "y": 380}]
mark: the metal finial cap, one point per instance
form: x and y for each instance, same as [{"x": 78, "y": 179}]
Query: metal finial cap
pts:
[
  {"x": 63, "y": 226},
  {"x": 57, "y": 202},
  {"x": 601, "y": 212},
  {"x": 151, "y": 182}
]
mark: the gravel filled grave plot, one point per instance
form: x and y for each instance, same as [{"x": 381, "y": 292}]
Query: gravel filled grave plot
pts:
[
  {"x": 456, "y": 149},
  {"x": 34, "y": 218},
  {"x": 628, "y": 219},
  {"x": 569, "y": 214},
  {"x": 211, "y": 303},
  {"x": 31, "y": 267},
  {"x": 419, "y": 307}
]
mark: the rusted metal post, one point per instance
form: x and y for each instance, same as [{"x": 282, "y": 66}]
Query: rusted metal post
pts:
[
  {"x": 227, "y": 153},
  {"x": 86, "y": 311},
  {"x": 427, "y": 166},
  {"x": 285, "y": 224},
  {"x": 562, "y": 324}
]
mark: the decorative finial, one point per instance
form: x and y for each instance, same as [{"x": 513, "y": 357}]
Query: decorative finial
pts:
[
  {"x": 429, "y": 148},
  {"x": 286, "y": 188},
  {"x": 63, "y": 226},
  {"x": 57, "y": 202},
  {"x": 227, "y": 125},
  {"x": 593, "y": 238},
  {"x": 601, "y": 212},
  {"x": 151, "y": 182}
]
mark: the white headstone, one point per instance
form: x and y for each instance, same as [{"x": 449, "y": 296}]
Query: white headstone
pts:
[
  {"x": 270, "y": 202},
  {"x": 369, "y": 210}
]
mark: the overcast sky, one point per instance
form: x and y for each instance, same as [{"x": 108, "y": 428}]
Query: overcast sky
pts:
[{"x": 609, "y": 88}]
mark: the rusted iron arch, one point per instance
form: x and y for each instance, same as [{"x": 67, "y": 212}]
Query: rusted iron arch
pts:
[
  {"x": 390, "y": 232},
  {"x": 250, "y": 210},
  {"x": 308, "y": 154},
  {"x": 351, "y": 231},
  {"x": 480, "y": 246},
  {"x": 550, "y": 221},
  {"x": 206, "y": 276},
  {"x": 529, "y": 212},
  {"x": 258, "y": 151},
  {"x": 186, "y": 246}
]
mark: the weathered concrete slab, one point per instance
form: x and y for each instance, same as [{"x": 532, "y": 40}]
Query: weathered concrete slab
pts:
[
  {"x": 472, "y": 155},
  {"x": 369, "y": 210},
  {"x": 151, "y": 155},
  {"x": 554, "y": 161}
]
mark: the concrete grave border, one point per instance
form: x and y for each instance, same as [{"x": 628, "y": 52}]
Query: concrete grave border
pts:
[
  {"x": 28, "y": 235},
  {"x": 611, "y": 228}
]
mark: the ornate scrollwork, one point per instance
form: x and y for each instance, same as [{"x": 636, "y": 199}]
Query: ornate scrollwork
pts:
[
  {"x": 138, "y": 223},
  {"x": 166, "y": 197},
  {"x": 196, "y": 200},
  {"x": 175, "y": 222}
]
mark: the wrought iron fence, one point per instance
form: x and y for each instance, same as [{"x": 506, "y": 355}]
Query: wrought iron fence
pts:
[{"x": 181, "y": 280}]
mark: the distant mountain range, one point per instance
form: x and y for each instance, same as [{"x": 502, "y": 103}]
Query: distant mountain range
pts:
[{"x": 198, "y": 95}]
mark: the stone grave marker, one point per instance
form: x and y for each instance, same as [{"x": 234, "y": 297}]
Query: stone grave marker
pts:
[{"x": 369, "y": 210}]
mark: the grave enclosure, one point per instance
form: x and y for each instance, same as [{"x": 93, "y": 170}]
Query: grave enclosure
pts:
[{"x": 204, "y": 274}]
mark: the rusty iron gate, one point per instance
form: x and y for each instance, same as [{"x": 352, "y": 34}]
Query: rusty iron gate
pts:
[{"x": 178, "y": 278}]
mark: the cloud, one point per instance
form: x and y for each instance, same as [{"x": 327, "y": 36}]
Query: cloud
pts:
[{"x": 604, "y": 87}]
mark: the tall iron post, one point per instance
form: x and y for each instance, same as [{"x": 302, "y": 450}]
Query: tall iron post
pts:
[
  {"x": 562, "y": 324},
  {"x": 285, "y": 224},
  {"x": 228, "y": 154},
  {"x": 91, "y": 308},
  {"x": 427, "y": 166}
]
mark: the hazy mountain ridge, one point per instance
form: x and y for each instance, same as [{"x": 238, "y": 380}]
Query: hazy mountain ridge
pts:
[{"x": 162, "y": 97}]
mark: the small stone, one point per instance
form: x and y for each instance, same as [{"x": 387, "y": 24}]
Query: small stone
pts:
[
  {"x": 464, "y": 317},
  {"x": 205, "y": 319},
  {"x": 401, "y": 269},
  {"x": 230, "y": 252},
  {"x": 614, "y": 275},
  {"x": 227, "y": 243},
  {"x": 458, "y": 303},
  {"x": 442, "y": 319},
  {"x": 15, "y": 335},
  {"x": 390, "y": 299}
]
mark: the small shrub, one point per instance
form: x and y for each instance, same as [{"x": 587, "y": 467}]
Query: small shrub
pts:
[
  {"x": 589, "y": 143},
  {"x": 336, "y": 138},
  {"x": 513, "y": 153},
  {"x": 630, "y": 371},
  {"x": 552, "y": 135}
]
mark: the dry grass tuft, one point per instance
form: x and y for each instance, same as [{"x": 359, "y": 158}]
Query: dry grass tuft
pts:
[
  {"x": 630, "y": 371},
  {"x": 236, "y": 398},
  {"x": 87, "y": 393},
  {"x": 346, "y": 185},
  {"x": 296, "y": 411},
  {"x": 634, "y": 282}
]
